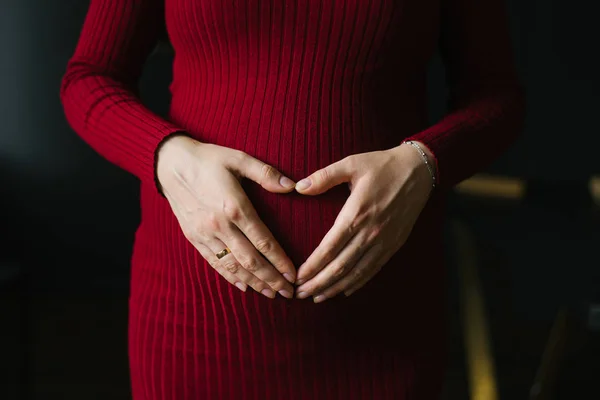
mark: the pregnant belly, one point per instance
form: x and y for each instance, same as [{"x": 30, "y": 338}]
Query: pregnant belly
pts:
[
  {"x": 297, "y": 149},
  {"x": 298, "y": 222}
]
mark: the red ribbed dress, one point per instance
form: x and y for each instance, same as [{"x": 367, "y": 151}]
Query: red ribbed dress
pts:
[{"x": 298, "y": 84}]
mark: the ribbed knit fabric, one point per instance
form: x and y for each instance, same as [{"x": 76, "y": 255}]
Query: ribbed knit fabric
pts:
[{"x": 298, "y": 84}]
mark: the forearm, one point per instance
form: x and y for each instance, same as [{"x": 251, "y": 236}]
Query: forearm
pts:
[
  {"x": 99, "y": 88},
  {"x": 112, "y": 120},
  {"x": 474, "y": 134},
  {"x": 486, "y": 101}
]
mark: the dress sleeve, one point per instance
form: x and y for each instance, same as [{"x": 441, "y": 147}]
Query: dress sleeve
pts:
[
  {"x": 99, "y": 89},
  {"x": 486, "y": 101}
]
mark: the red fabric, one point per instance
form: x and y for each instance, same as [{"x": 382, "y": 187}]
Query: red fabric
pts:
[{"x": 297, "y": 84}]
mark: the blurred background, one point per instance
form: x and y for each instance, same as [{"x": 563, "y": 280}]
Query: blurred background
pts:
[{"x": 522, "y": 237}]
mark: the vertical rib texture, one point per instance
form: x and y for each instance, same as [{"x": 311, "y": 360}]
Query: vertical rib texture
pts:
[{"x": 298, "y": 84}]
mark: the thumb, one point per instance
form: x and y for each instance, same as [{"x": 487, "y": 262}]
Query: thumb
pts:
[
  {"x": 326, "y": 178},
  {"x": 265, "y": 175}
]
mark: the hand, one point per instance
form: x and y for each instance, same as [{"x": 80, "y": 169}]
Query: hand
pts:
[
  {"x": 202, "y": 184},
  {"x": 388, "y": 191}
]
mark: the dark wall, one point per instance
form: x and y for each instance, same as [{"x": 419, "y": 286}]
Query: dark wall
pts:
[
  {"x": 555, "y": 43},
  {"x": 63, "y": 203}
]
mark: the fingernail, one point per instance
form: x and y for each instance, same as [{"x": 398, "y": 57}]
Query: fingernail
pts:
[
  {"x": 269, "y": 293},
  {"x": 286, "y": 182},
  {"x": 289, "y": 278},
  {"x": 303, "y": 184},
  {"x": 300, "y": 282},
  {"x": 319, "y": 298},
  {"x": 286, "y": 293},
  {"x": 241, "y": 286},
  {"x": 302, "y": 295}
]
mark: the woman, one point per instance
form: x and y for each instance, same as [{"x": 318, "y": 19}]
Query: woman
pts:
[{"x": 295, "y": 168}]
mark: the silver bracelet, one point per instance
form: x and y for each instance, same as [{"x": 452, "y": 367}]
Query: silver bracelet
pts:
[{"x": 425, "y": 159}]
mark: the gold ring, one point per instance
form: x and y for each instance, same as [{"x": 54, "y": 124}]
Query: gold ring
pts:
[{"x": 223, "y": 253}]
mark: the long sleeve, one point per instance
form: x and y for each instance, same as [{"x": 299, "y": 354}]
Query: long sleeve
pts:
[
  {"x": 486, "y": 102},
  {"x": 99, "y": 89}
]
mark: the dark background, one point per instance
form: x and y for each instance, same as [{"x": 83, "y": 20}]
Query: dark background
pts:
[{"x": 68, "y": 216}]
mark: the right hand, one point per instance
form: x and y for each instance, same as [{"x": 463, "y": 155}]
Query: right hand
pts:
[{"x": 202, "y": 184}]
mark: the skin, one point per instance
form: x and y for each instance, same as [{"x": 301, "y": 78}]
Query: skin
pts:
[
  {"x": 220, "y": 214},
  {"x": 388, "y": 192}
]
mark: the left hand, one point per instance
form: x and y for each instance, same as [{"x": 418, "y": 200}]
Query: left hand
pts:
[{"x": 388, "y": 191}]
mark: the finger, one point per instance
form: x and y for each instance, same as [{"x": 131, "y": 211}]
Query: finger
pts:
[
  {"x": 335, "y": 239},
  {"x": 339, "y": 267},
  {"x": 231, "y": 264},
  {"x": 366, "y": 268},
  {"x": 326, "y": 178},
  {"x": 265, "y": 243},
  {"x": 228, "y": 266},
  {"x": 208, "y": 250},
  {"x": 363, "y": 281},
  {"x": 252, "y": 261},
  {"x": 264, "y": 174},
  {"x": 210, "y": 257}
]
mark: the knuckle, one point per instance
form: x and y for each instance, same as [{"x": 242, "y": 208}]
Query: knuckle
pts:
[
  {"x": 255, "y": 284},
  {"x": 351, "y": 227},
  {"x": 358, "y": 273},
  {"x": 251, "y": 265},
  {"x": 328, "y": 254},
  {"x": 232, "y": 210},
  {"x": 350, "y": 222},
  {"x": 267, "y": 172},
  {"x": 212, "y": 222},
  {"x": 277, "y": 285},
  {"x": 231, "y": 267},
  {"x": 354, "y": 224},
  {"x": 264, "y": 246},
  {"x": 375, "y": 232},
  {"x": 340, "y": 270},
  {"x": 323, "y": 175},
  {"x": 274, "y": 283}
]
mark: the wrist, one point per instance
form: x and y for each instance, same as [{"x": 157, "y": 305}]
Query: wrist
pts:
[
  {"x": 428, "y": 154},
  {"x": 167, "y": 152},
  {"x": 420, "y": 161},
  {"x": 428, "y": 158}
]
